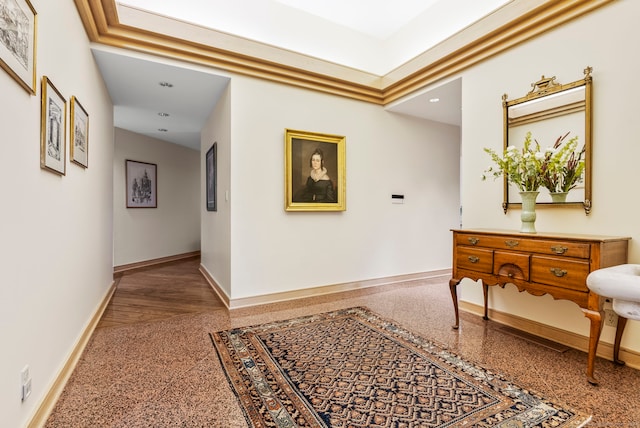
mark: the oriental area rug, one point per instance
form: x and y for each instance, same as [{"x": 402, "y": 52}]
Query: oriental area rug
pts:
[{"x": 353, "y": 368}]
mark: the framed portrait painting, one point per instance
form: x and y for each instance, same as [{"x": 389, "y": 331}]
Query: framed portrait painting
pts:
[
  {"x": 79, "y": 134},
  {"x": 315, "y": 171},
  {"x": 211, "y": 172},
  {"x": 141, "y": 179},
  {"x": 18, "y": 27},
  {"x": 53, "y": 155}
]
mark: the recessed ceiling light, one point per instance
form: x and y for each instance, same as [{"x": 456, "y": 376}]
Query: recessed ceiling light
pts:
[
  {"x": 434, "y": 100},
  {"x": 162, "y": 130},
  {"x": 163, "y": 114},
  {"x": 166, "y": 84}
]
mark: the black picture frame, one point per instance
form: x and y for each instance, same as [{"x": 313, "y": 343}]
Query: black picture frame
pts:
[
  {"x": 141, "y": 181},
  {"x": 211, "y": 177}
]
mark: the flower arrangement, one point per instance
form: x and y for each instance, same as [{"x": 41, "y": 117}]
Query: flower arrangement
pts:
[
  {"x": 523, "y": 168},
  {"x": 564, "y": 165},
  {"x": 558, "y": 168}
]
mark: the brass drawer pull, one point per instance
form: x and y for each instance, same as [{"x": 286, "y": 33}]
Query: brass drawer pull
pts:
[
  {"x": 558, "y": 272},
  {"x": 559, "y": 249},
  {"x": 473, "y": 241},
  {"x": 511, "y": 244},
  {"x": 474, "y": 259}
]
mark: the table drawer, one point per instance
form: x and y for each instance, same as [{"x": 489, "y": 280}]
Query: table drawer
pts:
[
  {"x": 476, "y": 259},
  {"x": 512, "y": 265},
  {"x": 559, "y": 248},
  {"x": 560, "y": 272},
  {"x": 526, "y": 244}
]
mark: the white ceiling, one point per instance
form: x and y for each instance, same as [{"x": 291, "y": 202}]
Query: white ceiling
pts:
[{"x": 374, "y": 36}]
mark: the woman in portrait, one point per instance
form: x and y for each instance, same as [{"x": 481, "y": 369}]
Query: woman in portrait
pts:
[{"x": 319, "y": 187}]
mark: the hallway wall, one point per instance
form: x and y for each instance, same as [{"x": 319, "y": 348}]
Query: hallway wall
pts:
[
  {"x": 598, "y": 40},
  {"x": 272, "y": 250},
  {"x": 141, "y": 234},
  {"x": 55, "y": 231}
]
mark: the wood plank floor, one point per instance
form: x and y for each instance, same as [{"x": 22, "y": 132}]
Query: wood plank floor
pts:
[{"x": 160, "y": 292}]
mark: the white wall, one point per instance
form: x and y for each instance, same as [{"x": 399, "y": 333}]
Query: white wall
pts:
[
  {"x": 215, "y": 252},
  {"x": 173, "y": 227},
  {"x": 55, "y": 231},
  {"x": 599, "y": 40},
  {"x": 276, "y": 251}
]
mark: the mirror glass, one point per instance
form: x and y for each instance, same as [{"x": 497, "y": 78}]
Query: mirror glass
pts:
[{"x": 552, "y": 113}]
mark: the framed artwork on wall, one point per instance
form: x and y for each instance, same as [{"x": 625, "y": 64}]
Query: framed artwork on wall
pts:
[
  {"x": 79, "y": 134},
  {"x": 211, "y": 177},
  {"x": 315, "y": 171},
  {"x": 18, "y": 28},
  {"x": 53, "y": 117},
  {"x": 141, "y": 179}
]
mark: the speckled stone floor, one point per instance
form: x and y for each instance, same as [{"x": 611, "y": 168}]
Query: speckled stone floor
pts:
[{"x": 166, "y": 373}]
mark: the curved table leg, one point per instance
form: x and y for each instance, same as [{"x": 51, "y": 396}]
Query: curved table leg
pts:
[
  {"x": 485, "y": 292},
  {"x": 594, "y": 337},
  {"x": 453, "y": 285},
  {"x": 622, "y": 322}
]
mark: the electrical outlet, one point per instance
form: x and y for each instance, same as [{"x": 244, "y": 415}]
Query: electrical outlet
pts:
[
  {"x": 25, "y": 383},
  {"x": 610, "y": 318}
]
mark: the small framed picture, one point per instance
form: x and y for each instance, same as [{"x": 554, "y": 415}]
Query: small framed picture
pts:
[
  {"x": 53, "y": 155},
  {"x": 211, "y": 171},
  {"x": 315, "y": 172},
  {"x": 79, "y": 134},
  {"x": 18, "y": 30},
  {"x": 141, "y": 184}
]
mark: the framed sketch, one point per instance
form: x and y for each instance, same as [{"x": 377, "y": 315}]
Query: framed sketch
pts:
[
  {"x": 79, "y": 134},
  {"x": 141, "y": 178},
  {"x": 315, "y": 172},
  {"x": 18, "y": 27},
  {"x": 53, "y": 155},
  {"x": 211, "y": 172}
]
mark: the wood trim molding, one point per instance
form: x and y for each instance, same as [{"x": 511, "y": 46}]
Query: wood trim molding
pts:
[
  {"x": 573, "y": 340},
  {"x": 265, "y": 299},
  {"x": 550, "y": 15},
  {"x": 47, "y": 404},
  {"x": 222, "y": 295},
  {"x": 131, "y": 267},
  {"x": 196, "y": 44}
]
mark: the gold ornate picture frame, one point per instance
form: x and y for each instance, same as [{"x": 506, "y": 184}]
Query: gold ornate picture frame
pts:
[
  {"x": 18, "y": 31},
  {"x": 53, "y": 125},
  {"x": 549, "y": 111},
  {"x": 79, "y": 134},
  {"x": 315, "y": 171}
]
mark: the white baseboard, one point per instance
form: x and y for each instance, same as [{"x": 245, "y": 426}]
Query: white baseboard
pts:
[{"x": 573, "y": 340}]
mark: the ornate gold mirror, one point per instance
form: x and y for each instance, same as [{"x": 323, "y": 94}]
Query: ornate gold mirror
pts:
[{"x": 555, "y": 115}]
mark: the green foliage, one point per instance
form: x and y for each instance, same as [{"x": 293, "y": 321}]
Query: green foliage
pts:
[
  {"x": 564, "y": 165},
  {"x": 522, "y": 167},
  {"x": 558, "y": 168}
]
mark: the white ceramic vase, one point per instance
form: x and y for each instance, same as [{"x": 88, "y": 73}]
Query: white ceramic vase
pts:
[
  {"x": 558, "y": 197},
  {"x": 528, "y": 214}
]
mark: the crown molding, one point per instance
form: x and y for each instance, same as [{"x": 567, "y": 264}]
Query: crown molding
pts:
[{"x": 125, "y": 27}]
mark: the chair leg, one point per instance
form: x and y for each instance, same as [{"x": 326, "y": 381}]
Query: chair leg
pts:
[{"x": 622, "y": 322}]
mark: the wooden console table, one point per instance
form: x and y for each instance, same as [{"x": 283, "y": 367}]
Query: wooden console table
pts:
[{"x": 555, "y": 264}]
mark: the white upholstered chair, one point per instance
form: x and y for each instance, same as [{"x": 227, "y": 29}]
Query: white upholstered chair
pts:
[{"x": 622, "y": 285}]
